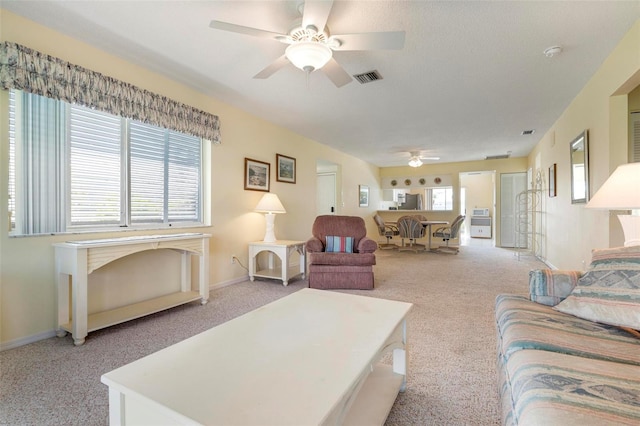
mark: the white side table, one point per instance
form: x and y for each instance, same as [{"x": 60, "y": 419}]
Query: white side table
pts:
[{"x": 283, "y": 249}]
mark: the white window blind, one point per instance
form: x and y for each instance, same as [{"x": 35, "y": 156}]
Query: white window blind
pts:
[
  {"x": 165, "y": 175},
  {"x": 95, "y": 173},
  {"x": 185, "y": 171},
  {"x": 12, "y": 161},
  {"x": 148, "y": 153}
]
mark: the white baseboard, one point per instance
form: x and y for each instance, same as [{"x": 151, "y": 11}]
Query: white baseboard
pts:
[
  {"x": 51, "y": 333},
  {"x": 11, "y": 344},
  {"x": 228, "y": 283}
]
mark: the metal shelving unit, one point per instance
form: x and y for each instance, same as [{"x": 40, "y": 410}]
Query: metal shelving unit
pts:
[{"x": 528, "y": 218}]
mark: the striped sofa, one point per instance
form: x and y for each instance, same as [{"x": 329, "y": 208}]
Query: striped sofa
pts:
[{"x": 568, "y": 354}]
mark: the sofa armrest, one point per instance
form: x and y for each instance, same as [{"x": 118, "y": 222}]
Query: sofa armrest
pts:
[
  {"x": 550, "y": 287},
  {"x": 314, "y": 244},
  {"x": 367, "y": 245}
]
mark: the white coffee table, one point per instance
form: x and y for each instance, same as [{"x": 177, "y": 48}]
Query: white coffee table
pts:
[{"x": 307, "y": 359}]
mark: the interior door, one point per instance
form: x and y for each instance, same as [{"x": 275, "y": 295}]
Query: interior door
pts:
[
  {"x": 326, "y": 193},
  {"x": 511, "y": 184}
]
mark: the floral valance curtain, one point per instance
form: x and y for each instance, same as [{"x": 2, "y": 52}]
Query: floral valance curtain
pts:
[{"x": 26, "y": 69}]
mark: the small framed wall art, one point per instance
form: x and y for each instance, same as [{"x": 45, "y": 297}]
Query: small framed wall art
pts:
[
  {"x": 552, "y": 181},
  {"x": 364, "y": 195},
  {"x": 286, "y": 169},
  {"x": 256, "y": 175}
]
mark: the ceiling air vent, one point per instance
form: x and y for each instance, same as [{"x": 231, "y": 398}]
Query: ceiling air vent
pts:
[
  {"x": 368, "y": 77},
  {"x": 527, "y": 132},
  {"x": 496, "y": 157}
]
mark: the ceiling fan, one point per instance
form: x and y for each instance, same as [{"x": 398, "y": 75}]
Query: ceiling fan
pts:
[
  {"x": 416, "y": 159},
  {"x": 311, "y": 45}
]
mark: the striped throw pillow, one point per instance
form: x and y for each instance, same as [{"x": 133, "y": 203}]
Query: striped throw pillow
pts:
[
  {"x": 339, "y": 244},
  {"x": 609, "y": 292}
]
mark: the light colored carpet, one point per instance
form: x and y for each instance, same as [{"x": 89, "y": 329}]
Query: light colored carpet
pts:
[{"x": 451, "y": 334}]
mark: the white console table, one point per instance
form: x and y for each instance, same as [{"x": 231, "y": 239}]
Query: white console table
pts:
[
  {"x": 310, "y": 358},
  {"x": 78, "y": 259}
]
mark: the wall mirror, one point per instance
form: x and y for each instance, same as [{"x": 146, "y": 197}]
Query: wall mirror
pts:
[{"x": 580, "y": 168}]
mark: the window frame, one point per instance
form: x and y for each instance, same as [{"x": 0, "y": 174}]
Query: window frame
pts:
[
  {"x": 428, "y": 196},
  {"x": 125, "y": 223}
]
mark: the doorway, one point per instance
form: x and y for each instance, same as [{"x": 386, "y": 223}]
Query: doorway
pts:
[
  {"x": 477, "y": 193},
  {"x": 326, "y": 187}
]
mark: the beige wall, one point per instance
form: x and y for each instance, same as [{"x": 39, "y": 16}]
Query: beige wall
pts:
[
  {"x": 28, "y": 292},
  {"x": 602, "y": 107}
]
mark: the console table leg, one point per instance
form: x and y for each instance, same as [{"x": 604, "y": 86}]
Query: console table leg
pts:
[
  {"x": 63, "y": 301},
  {"x": 203, "y": 279},
  {"x": 79, "y": 282}
]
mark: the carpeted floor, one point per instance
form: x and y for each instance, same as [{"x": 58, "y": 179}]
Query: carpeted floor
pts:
[{"x": 451, "y": 335}]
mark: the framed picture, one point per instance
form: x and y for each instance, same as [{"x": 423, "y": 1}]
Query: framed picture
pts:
[
  {"x": 364, "y": 195},
  {"x": 552, "y": 181},
  {"x": 256, "y": 175},
  {"x": 286, "y": 169}
]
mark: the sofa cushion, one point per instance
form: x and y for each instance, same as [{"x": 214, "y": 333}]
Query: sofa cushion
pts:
[
  {"x": 338, "y": 244},
  {"x": 549, "y": 388},
  {"x": 550, "y": 287},
  {"x": 609, "y": 292},
  {"x": 523, "y": 324}
]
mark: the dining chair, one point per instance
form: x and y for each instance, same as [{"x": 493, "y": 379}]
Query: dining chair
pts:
[{"x": 411, "y": 229}]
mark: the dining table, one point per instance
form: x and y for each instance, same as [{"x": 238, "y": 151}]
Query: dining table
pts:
[{"x": 429, "y": 224}]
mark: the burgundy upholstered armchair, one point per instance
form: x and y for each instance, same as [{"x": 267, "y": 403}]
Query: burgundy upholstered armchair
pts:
[{"x": 340, "y": 254}]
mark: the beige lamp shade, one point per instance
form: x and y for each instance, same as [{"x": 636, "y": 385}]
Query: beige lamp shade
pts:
[
  {"x": 270, "y": 204},
  {"x": 622, "y": 192}
]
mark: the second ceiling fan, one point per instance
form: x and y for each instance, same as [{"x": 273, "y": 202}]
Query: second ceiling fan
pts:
[{"x": 311, "y": 45}]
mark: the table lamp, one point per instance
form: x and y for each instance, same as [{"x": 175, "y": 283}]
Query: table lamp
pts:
[
  {"x": 270, "y": 204},
  {"x": 622, "y": 192}
]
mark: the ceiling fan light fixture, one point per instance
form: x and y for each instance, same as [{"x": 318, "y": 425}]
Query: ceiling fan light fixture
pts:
[
  {"x": 308, "y": 55},
  {"x": 415, "y": 161}
]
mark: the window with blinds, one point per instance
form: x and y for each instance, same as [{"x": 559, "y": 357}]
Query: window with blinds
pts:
[{"x": 116, "y": 172}]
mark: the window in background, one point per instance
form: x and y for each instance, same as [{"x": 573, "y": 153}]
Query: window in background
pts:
[{"x": 440, "y": 198}]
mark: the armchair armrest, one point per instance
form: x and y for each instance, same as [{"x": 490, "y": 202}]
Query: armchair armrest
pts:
[
  {"x": 443, "y": 230},
  {"x": 367, "y": 245},
  {"x": 314, "y": 244},
  {"x": 550, "y": 287},
  {"x": 391, "y": 227}
]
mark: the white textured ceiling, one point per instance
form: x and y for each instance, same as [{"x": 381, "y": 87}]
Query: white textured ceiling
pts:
[{"x": 469, "y": 80}]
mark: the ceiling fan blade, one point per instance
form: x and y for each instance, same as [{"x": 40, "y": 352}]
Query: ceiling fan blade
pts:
[
  {"x": 392, "y": 40},
  {"x": 336, "y": 73},
  {"x": 316, "y": 12},
  {"x": 281, "y": 62},
  {"x": 255, "y": 32}
]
